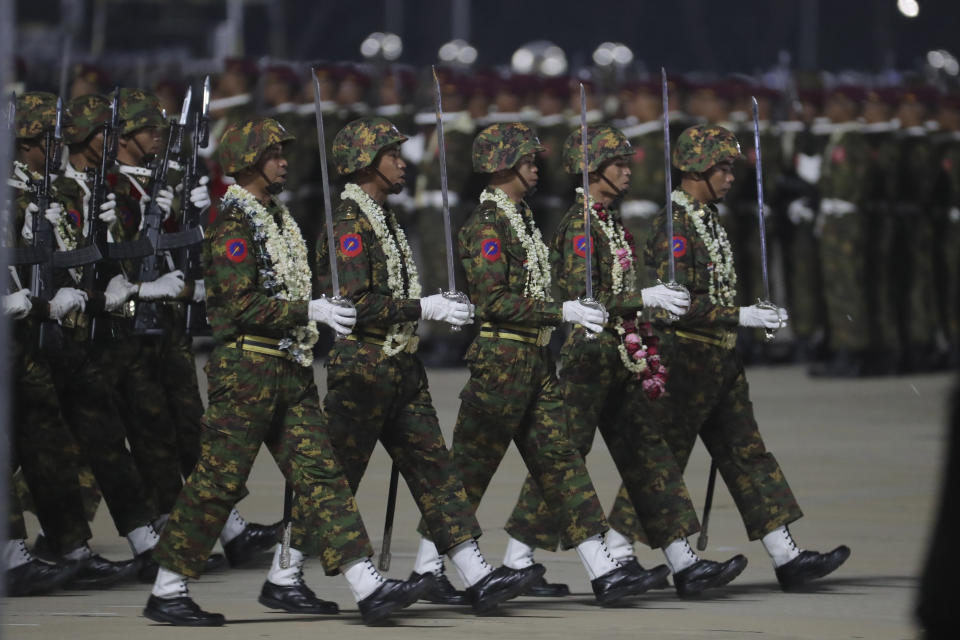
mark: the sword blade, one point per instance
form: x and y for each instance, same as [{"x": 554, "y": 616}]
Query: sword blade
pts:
[
  {"x": 327, "y": 209},
  {"x": 584, "y": 170},
  {"x": 760, "y": 220},
  {"x": 671, "y": 265},
  {"x": 442, "y": 148}
]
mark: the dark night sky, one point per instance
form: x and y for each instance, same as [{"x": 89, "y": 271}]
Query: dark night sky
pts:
[{"x": 738, "y": 35}]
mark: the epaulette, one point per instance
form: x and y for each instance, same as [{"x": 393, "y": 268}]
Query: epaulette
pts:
[
  {"x": 347, "y": 210},
  {"x": 487, "y": 211}
]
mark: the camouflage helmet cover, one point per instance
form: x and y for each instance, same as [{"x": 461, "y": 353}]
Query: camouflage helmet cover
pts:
[
  {"x": 604, "y": 143},
  {"x": 84, "y": 115},
  {"x": 36, "y": 112},
  {"x": 139, "y": 109},
  {"x": 500, "y": 146},
  {"x": 356, "y": 146},
  {"x": 243, "y": 142},
  {"x": 703, "y": 146}
]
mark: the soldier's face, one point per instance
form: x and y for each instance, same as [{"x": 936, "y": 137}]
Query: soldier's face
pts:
[
  {"x": 274, "y": 164},
  {"x": 142, "y": 143},
  {"x": 94, "y": 147},
  {"x": 392, "y": 165},
  {"x": 720, "y": 178},
  {"x": 527, "y": 168},
  {"x": 618, "y": 173},
  {"x": 33, "y": 155}
]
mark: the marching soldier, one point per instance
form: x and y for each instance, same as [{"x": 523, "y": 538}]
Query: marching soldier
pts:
[
  {"x": 513, "y": 393},
  {"x": 947, "y": 214},
  {"x": 262, "y": 392},
  {"x": 376, "y": 385},
  {"x": 708, "y": 396}
]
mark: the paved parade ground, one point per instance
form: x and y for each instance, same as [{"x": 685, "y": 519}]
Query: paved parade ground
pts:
[{"x": 863, "y": 457}]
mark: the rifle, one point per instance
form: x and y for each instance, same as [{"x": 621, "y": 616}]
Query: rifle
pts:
[
  {"x": 190, "y": 259},
  {"x": 146, "y": 321}
]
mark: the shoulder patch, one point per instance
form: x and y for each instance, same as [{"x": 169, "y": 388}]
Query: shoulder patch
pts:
[
  {"x": 75, "y": 218},
  {"x": 351, "y": 244},
  {"x": 490, "y": 248},
  {"x": 679, "y": 246},
  {"x": 839, "y": 155},
  {"x": 236, "y": 249},
  {"x": 580, "y": 244}
]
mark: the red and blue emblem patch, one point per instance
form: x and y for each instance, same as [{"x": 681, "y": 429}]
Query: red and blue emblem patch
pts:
[
  {"x": 351, "y": 244},
  {"x": 580, "y": 246},
  {"x": 490, "y": 248},
  {"x": 679, "y": 246},
  {"x": 236, "y": 249},
  {"x": 75, "y": 218}
]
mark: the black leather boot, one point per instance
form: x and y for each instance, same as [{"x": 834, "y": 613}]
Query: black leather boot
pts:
[
  {"x": 707, "y": 574},
  {"x": 502, "y": 584},
  {"x": 251, "y": 542},
  {"x": 181, "y": 612},
  {"x": 298, "y": 598},
  {"x": 810, "y": 565},
  {"x": 443, "y": 592},
  {"x": 540, "y": 588},
  {"x": 391, "y": 596},
  {"x": 37, "y": 577}
]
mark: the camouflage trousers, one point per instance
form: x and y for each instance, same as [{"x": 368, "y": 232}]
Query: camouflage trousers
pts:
[
  {"x": 709, "y": 396},
  {"x": 843, "y": 266},
  {"x": 513, "y": 394},
  {"x": 373, "y": 398},
  {"x": 258, "y": 399},
  {"x": 803, "y": 281},
  {"x": 913, "y": 280},
  {"x": 48, "y": 455},
  {"x": 599, "y": 391},
  {"x": 87, "y": 377}
]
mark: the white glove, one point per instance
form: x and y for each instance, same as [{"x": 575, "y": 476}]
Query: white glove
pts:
[
  {"x": 53, "y": 213},
  {"x": 66, "y": 300},
  {"x": 808, "y": 167},
  {"x": 17, "y": 305},
  {"x": 164, "y": 201},
  {"x": 954, "y": 214},
  {"x": 199, "y": 291},
  {"x": 340, "y": 318},
  {"x": 118, "y": 291},
  {"x": 200, "y": 195},
  {"x": 437, "y": 307},
  {"x": 169, "y": 285},
  {"x": 591, "y": 318},
  {"x": 108, "y": 211},
  {"x": 676, "y": 301},
  {"x": 26, "y": 231},
  {"x": 800, "y": 212},
  {"x": 763, "y": 317}
]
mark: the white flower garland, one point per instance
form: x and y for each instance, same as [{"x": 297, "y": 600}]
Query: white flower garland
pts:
[
  {"x": 723, "y": 277},
  {"x": 397, "y": 250},
  {"x": 537, "y": 283},
  {"x": 283, "y": 265}
]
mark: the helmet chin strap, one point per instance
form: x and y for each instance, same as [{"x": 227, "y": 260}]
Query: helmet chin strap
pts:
[
  {"x": 144, "y": 156},
  {"x": 713, "y": 194},
  {"x": 273, "y": 187},
  {"x": 392, "y": 187},
  {"x": 528, "y": 190},
  {"x": 618, "y": 192}
]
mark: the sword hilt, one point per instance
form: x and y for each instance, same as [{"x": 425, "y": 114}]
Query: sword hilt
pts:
[
  {"x": 340, "y": 301},
  {"x": 593, "y": 304},
  {"x": 456, "y": 296},
  {"x": 673, "y": 285},
  {"x": 770, "y": 334}
]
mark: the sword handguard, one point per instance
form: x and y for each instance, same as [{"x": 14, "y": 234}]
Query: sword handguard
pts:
[
  {"x": 346, "y": 303},
  {"x": 673, "y": 285},
  {"x": 593, "y": 304},
  {"x": 456, "y": 296},
  {"x": 770, "y": 334}
]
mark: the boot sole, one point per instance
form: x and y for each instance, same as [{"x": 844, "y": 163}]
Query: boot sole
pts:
[
  {"x": 271, "y": 603},
  {"x": 512, "y": 592},
  {"x": 156, "y": 616}
]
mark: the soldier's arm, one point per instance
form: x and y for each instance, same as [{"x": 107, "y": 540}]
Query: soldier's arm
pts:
[
  {"x": 234, "y": 294},
  {"x": 354, "y": 239},
  {"x": 487, "y": 270}
]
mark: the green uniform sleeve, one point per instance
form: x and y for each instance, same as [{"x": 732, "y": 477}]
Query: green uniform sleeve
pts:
[
  {"x": 493, "y": 264},
  {"x": 237, "y": 301}
]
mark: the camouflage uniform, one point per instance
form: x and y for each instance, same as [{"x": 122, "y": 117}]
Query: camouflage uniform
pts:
[
  {"x": 947, "y": 214},
  {"x": 642, "y": 202},
  {"x": 709, "y": 395},
  {"x": 259, "y": 394},
  {"x": 513, "y": 392}
]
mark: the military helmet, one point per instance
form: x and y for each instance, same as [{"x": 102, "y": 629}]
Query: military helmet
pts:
[
  {"x": 500, "y": 146},
  {"x": 139, "y": 109},
  {"x": 604, "y": 143},
  {"x": 36, "y": 112},
  {"x": 243, "y": 142},
  {"x": 85, "y": 114},
  {"x": 704, "y": 146},
  {"x": 356, "y": 146}
]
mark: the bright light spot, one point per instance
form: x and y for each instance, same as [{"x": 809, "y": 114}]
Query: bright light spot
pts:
[
  {"x": 622, "y": 54},
  {"x": 951, "y": 66},
  {"x": 554, "y": 61},
  {"x": 371, "y": 46},
  {"x": 449, "y": 51},
  {"x": 909, "y": 8},
  {"x": 522, "y": 60},
  {"x": 392, "y": 46},
  {"x": 467, "y": 55},
  {"x": 604, "y": 54},
  {"x": 935, "y": 59}
]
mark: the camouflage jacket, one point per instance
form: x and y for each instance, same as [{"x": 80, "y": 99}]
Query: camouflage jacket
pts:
[
  {"x": 493, "y": 260},
  {"x": 844, "y": 167},
  {"x": 693, "y": 267},
  {"x": 913, "y": 179},
  {"x": 568, "y": 257},
  {"x": 362, "y": 267},
  {"x": 647, "y": 180},
  {"x": 237, "y": 299}
]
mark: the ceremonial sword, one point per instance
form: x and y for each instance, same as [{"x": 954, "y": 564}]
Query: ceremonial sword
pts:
[
  {"x": 765, "y": 301},
  {"x": 668, "y": 180},
  {"x": 588, "y": 299}
]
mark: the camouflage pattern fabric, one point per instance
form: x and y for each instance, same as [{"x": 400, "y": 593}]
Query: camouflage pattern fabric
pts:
[
  {"x": 554, "y": 185},
  {"x": 139, "y": 109},
  {"x": 371, "y": 397},
  {"x": 243, "y": 142},
  {"x": 702, "y": 146},
  {"x": 513, "y": 392},
  {"x": 644, "y": 197},
  {"x": 709, "y": 395},
  {"x": 254, "y": 399},
  {"x": 358, "y": 143},
  {"x": 604, "y": 144},
  {"x": 500, "y": 146},
  {"x": 36, "y": 112},
  {"x": 85, "y": 114}
]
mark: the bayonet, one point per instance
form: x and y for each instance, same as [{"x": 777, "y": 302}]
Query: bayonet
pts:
[
  {"x": 451, "y": 293},
  {"x": 762, "y": 227}
]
